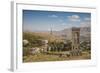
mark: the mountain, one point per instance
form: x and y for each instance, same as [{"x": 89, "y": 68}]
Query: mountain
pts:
[{"x": 85, "y": 33}]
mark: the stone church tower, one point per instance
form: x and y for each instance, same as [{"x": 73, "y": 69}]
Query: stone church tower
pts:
[{"x": 75, "y": 41}]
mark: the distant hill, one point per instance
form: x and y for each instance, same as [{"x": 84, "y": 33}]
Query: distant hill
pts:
[{"x": 85, "y": 34}]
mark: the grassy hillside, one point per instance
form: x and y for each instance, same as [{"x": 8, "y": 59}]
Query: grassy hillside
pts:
[{"x": 41, "y": 35}]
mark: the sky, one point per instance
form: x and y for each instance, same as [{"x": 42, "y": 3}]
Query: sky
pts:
[{"x": 35, "y": 20}]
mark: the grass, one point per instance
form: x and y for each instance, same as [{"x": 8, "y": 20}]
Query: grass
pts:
[{"x": 46, "y": 57}]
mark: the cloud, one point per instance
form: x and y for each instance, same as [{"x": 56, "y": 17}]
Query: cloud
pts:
[
  {"x": 63, "y": 24},
  {"x": 87, "y": 19},
  {"x": 53, "y": 16},
  {"x": 85, "y": 24},
  {"x": 68, "y": 25},
  {"x": 74, "y": 18},
  {"x": 60, "y": 20}
]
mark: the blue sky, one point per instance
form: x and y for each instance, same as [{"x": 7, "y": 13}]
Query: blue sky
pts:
[{"x": 43, "y": 20}]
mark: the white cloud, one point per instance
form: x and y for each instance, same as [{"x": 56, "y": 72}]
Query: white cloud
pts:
[
  {"x": 60, "y": 20},
  {"x": 85, "y": 24},
  {"x": 53, "y": 16},
  {"x": 74, "y": 18},
  {"x": 87, "y": 19},
  {"x": 68, "y": 25},
  {"x": 63, "y": 24}
]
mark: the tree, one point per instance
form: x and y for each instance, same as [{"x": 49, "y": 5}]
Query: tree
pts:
[
  {"x": 85, "y": 45},
  {"x": 34, "y": 40}
]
